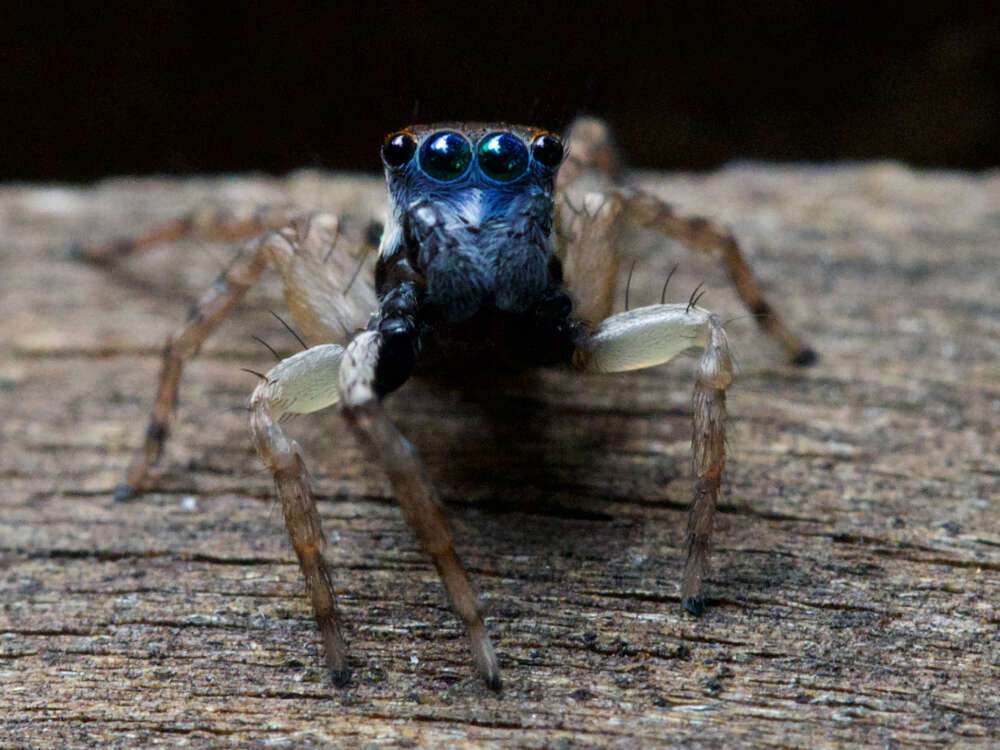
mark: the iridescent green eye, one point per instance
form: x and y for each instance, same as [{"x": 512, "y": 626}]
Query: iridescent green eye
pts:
[
  {"x": 502, "y": 156},
  {"x": 445, "y": 156}
]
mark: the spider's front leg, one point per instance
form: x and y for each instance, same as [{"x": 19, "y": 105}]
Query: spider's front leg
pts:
[
  {"x": 303, "y": 383},
  {"x": 317, "y": 288},
  {"x": 649, "y": 336},
  {"x": 592, "y": 171},
  {"x": 376, "y": 362},
  {"x": 703, "y": 235},
  {"x": 209, "y": 223}
]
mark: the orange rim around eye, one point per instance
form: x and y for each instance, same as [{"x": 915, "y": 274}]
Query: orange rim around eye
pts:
[{"x": 398, "y": 149}]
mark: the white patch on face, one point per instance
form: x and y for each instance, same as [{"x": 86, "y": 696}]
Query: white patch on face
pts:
[
  {"x": 472, "y": 206},
  {"x": 391, "y": 236}
]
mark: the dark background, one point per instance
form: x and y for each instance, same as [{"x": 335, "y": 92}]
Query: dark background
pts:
[{"x": 91, "y": 90}]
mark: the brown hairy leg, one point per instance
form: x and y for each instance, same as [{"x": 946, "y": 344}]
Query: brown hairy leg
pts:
[
  {"x": 589, "y": 237},
  {"x": 276, "y": 249},
  {"x": 210, "y": 223},
  {"x": 414, "y": 492},
  {"x": 589, "y": 219},
  {"x": 591, "y": 249},
  {"x": 319, "y": 262},
  {"x": 591, "y": 156},
  {"x": 649, "y": 336},
  {"x": 703, "y": 235},
  {"x": 708, "y": 447},
  {"x": 302, "y": 383}
]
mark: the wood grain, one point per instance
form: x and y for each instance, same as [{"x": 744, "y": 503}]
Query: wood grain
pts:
[{"x": 854, "y": 596}]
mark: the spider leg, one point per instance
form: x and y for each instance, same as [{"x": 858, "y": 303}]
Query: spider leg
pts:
[
  {"x": 649, "y": 336},
  {"x": 311, "y": 299},
  {"x": 212, "y": 223},
  {"x": 588, "y": 218},
  {"x": 362, "y": 384},
  {"x": 700, "y": 234},
  {"x": 590, "y": 152},
  {"x": 591, "y": 253},
  {"x": 590, "y": 235},
  {"x": 303, "y": 383}
]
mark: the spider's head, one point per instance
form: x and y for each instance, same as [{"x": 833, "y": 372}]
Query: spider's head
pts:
[{"x": 471, "y": 212}]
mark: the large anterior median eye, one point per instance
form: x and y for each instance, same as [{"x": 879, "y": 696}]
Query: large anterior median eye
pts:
[
  {"x": 547, "y": 150},
  {"x": 502, "y": 156},
  {"x": 445, "y": 156},
  {"x": 398, "y": 150}
]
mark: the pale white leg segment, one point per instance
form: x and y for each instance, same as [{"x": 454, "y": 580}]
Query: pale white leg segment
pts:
[
  {"x": 300, "y": 384},
  {"x": 653, "y": 335},
  {"x": 591, "y": 172},
  {"x": 303, "y": 383}
]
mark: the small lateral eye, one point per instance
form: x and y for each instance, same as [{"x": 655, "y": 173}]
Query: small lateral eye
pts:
[
  {"x": 547, "y": 150},
  {"x": 398, "y": 150},
  {"x": 502, "y": 156},
  {"x": 445, "y": 156}
]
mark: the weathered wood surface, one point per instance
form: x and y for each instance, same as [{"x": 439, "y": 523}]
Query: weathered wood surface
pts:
[{"x": 857, "y": 568}]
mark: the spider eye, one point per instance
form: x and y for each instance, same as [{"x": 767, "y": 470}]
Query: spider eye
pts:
[
  {"x": 547, "y": 150},
  {"x": 502, "y": 156},
  {"x": 398, "y": 150},
  {"x": 446, "y": 156}
]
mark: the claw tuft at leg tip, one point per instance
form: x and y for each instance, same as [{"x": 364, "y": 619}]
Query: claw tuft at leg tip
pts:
[
  {"x": 340, "y": 677},
  {"x": 485, "y": 657},
  {"x": 124, "y": 492},
  {"x": 493, "y": 681},
  {"x": 805, "y": 358},
  {"x": 695, "y": 605}
]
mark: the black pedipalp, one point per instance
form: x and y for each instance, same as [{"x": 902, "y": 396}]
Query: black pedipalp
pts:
[
  {"x": 399, "y": 325},
  {"x": 552, "y": 333}
]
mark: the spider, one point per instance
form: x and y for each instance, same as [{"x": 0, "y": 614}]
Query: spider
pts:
[{"x": 498, "y": 238}]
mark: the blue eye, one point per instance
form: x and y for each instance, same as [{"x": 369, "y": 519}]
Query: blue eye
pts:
[
  {"x": 445, "y": 156},
  {"x": 502, "y": 156}
]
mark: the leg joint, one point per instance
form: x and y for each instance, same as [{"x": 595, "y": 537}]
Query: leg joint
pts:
[{"x": 716, "y": 367}]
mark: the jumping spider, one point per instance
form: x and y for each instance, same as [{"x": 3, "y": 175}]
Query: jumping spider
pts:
[{"x": 494, "y": 239}]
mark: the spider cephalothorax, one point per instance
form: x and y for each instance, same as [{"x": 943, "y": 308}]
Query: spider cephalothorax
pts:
[
  {"x": 469, "y": 241},
  {"x": 471, "y": 212},
  {"x": 468, "y": 254}
]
